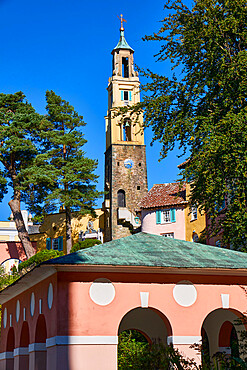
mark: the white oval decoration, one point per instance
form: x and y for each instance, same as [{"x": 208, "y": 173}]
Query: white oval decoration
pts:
[
  {"x": 5, "y": 317},
  {"x": 102, "y": 292},
  {"x": 32, "y": 304},
  {"x": 17, "y": 311},
  {"x": 184, "y": 293},
  {"x": 50, "y": 296}
]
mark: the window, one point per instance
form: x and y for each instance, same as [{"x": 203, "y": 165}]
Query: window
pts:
[
  {"x": 138, "y": 187},
  {"x": 56, "y": 243},
  {"x": 137, "y": 220},
  {"x": 121, "y": 198},
  {"x": 193, "y": 213},
  {"x": 125, "y": 67},
  {"x": 168, "y": 235},
  {"x": 127, "y": 130},
  {"x": 126, "y": 95},
  {"x": 166, "y": 216}
]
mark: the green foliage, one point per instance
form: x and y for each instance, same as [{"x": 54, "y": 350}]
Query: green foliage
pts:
[
  {"x": 39, "y": 257},
  {"x": 19, "y": 124},
  {"x": 203, "y": 106},
  {"x": 66, "y": 175},
  {"x": 7, "y": 279},
  {"x": 87, "y": 243},
  {"x": 135, "y": 353}
]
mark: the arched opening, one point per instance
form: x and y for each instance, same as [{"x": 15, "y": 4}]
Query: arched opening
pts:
[
  {"x": 127, "y": 130},
  {"x": 152, "y": 323},
  {"x": 228, "y": 339},
  {"x": 10, "y": 349},
  {"x": 223, "y": 328},
  {"x": 24, "y": 343},
  {"x": 40, "y": 340},
  {"x": 143, "y": 334},
  {"x": 121, "y": 198}
]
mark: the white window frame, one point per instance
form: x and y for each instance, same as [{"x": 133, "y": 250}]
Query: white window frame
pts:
[
  {"x": 193, "y": 213},
  {"x": 168, "y": 235},
  {"x": 168, "y": 219},
  {"x": 55, "y": 244}
]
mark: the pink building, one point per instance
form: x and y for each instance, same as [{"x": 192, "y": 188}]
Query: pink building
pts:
[
  {"x": 67, "y": 313},
  {"x": 12, "y": 253},
  {"x": 163, "y": 211}
]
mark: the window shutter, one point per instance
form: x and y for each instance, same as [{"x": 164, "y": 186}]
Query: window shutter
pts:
[
  {"x": 130, "y": 96},
  {"x": 60, "y": 243},
  {"x": 173, "y": 215},
  {"x": 48, "y": 243},
  {"x": 122, "y": 95},
  {"x": 158, "y": 217}
]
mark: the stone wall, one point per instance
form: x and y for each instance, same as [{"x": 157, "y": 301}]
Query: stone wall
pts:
[{"x": 132, "y": 180}]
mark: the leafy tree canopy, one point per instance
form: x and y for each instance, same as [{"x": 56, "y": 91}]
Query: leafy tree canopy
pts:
[{"x": 203, "y": 106}]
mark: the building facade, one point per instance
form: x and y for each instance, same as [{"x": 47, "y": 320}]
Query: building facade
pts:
[
  {"x": 165, "y": 211},
  {"x": 52, "y": 232},
  {"x": 67, "y": 313},
  {"x": 125, "y": 156}
]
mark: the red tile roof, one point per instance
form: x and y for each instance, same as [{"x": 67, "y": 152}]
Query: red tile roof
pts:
[
  {"x": 183, "y": 165},
  {"x": 164, "y": 195}
]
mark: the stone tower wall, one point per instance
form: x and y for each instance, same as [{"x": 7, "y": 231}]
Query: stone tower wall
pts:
[{"x": 133, "y": 181}]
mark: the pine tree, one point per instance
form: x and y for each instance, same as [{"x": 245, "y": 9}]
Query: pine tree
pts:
[
  {"x": 68, "y": 178},
  {"x": 19, "y": 125}
]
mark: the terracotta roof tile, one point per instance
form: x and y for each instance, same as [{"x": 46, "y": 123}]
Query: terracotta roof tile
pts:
[
  {"x": 164, "y": 195},
  {"x": 183, "y": 165}
]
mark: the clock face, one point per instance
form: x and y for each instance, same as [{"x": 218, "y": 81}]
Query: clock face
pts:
[{"x": 128, "y": 163}]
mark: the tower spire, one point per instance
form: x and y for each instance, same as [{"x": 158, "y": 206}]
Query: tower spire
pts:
[{"x": 122, "y": 43}]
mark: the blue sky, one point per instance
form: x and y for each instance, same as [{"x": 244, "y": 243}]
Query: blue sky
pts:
[{"x": 65, "y": 46}]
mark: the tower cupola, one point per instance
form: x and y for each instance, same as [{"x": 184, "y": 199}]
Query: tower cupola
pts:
[{"x": 123, "y": 62}]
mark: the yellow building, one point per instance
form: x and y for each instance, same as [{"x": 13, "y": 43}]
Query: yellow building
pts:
[
  {"x": 8, "y": 231},
  {"x": 195, "y": 222},
  {"x": 52, "y": 233}
]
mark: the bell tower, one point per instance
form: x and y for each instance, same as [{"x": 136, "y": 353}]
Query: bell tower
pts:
[{"x": 125, "y": 156}]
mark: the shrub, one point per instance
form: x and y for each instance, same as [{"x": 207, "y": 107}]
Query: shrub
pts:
[
  {"x": 39, "y": 257},
  {"x": 87, "y": 243}
]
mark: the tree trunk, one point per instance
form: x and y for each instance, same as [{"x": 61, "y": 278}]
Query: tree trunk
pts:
[
  {"x": 68, "y": 230},
  {"x": 21, "y": 228}
]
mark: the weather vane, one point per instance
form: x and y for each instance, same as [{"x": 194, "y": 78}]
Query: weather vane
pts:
[{"x": 122, "y": 20}]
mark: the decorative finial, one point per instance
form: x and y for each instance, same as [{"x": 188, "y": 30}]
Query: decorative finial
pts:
[{"x": 122, "y": 20}]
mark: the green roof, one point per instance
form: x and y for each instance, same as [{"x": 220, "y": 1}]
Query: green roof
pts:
[
  {"x": 122, "y": 43},
  {"x": 151, "y": 250}
]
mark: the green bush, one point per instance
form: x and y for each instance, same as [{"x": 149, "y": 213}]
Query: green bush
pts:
[
  {"x": 134, "y": 352},
  {"x": 39, "y": 257},
  {"x": 87, "y": 243}
]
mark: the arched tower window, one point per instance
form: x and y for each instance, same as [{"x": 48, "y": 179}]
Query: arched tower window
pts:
[
  {"x": 121, "y": 198},
  {"x": 127, "y": 130}
]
